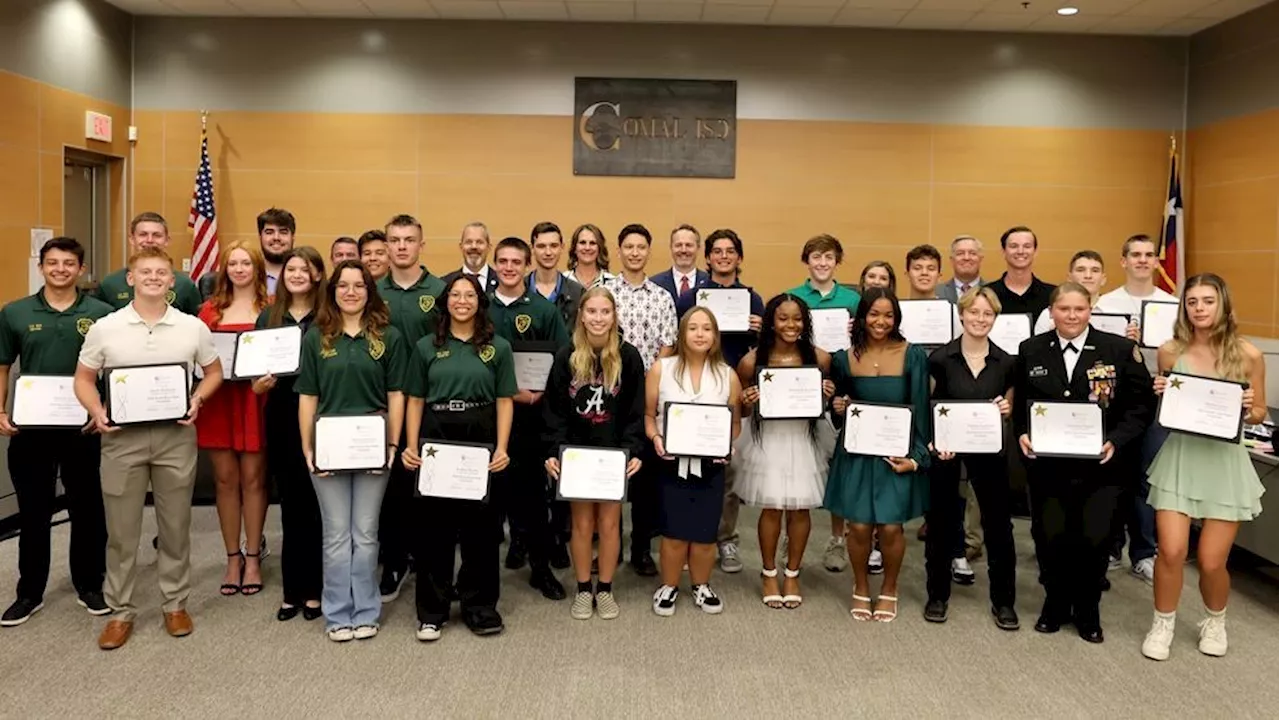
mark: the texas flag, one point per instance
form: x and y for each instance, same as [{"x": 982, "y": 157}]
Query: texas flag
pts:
[{"x": 1172, "y": 241}]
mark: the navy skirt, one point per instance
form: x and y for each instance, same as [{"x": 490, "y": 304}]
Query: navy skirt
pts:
[{"x": 689, "y": 508}]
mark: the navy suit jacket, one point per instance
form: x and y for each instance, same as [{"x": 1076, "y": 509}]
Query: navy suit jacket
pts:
[
  {"x": 491, "y": 277},
  {"x": 667, "y": 281}
]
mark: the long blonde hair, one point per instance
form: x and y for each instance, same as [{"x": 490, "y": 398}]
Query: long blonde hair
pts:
[
  {"x": 715, "y": 356},
  {"x": 583, "y": 360},
  {"x": 1224, "y": 336}
]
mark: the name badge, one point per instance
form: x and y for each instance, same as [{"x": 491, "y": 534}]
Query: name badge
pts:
[{"x": 1038, "y": 371}]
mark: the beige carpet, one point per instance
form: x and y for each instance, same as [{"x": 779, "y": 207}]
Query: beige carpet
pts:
[{"x": 748, "y": 662}]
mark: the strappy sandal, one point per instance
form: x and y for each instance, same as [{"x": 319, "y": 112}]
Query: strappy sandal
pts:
[
  {"x": 861, "y": 614},
  {"x": 886, "y": 616},
  {"x": 251, "y": 588},
  {"x": 229, "y": 589},
  {"x": 791, "y": 602},
  {"x": 773, "y": 601}
]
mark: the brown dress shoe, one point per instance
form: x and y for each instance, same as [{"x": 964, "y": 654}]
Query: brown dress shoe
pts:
[
  {"x": 115, "y": 634},
  {"x": 178, "y": 623}
]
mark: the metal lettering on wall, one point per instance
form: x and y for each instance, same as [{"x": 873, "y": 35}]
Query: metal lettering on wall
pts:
[{"x": 664, "y": 128}]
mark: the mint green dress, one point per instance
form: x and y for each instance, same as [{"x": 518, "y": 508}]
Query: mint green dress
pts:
[
  {"x": 865, "y": 489},
  {"x": 1203, "y": 478}
]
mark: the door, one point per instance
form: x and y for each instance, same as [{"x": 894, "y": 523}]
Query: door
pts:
[{"x": 86, "y": 210}]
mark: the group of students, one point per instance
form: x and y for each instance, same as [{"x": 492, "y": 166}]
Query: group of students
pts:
[{"x": 436, "y": 357}]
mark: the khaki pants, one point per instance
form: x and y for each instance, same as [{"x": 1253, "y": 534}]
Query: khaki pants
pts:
[{"x": 162, "y": 457}]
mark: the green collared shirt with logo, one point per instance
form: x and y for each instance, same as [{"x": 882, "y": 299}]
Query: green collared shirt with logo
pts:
[
  {"x": 413, "y": 309},
  {"x": 839, "y": 297},
  {"x": 115, "y": 291},
  {"x": 460, "y": 371},
  {"x": 47, "y": 340},
  {"x": 355, "y": 374},
  {"x": 531, "y": 318}
]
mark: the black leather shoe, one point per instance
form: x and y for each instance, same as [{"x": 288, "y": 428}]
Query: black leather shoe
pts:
[
  {"x": 1006, "y": 617},
  {"x": 1048, "y": 623},
  {"x": 935, "y": 611},
  {"x": 517, "y": 556},
  {"x": 644, "y": 565},
  {"x": 1090, "y": 633},
  {"x": 311, "y": 613},
  {"x": 559, "y": 556},
  {"x": 547, "y": 584},
  {"x": 484, "y": 622},
  {"x": 287, "y": 613}
]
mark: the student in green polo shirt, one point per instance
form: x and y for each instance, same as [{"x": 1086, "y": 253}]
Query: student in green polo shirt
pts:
[
  {"x": 460, "y": 384},
  {"x": 353, "y": 363},
  {"x": 45, "y": 331},
  {"x": 149, "y": 230}
]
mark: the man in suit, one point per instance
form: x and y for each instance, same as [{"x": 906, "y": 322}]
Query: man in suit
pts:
[
  {"x": 966, "y": 263},
  {"x": 276, "y": 229},
  {"x": 475, "y": 245},
  {"x": 683, "y": 273},
  {"x": 1074, "y": 498}
]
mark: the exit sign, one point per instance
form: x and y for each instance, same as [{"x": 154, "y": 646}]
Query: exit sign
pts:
[{"x": 97, "y": 126}]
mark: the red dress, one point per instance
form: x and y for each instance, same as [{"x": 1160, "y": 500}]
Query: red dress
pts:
[{"x": 232, "y": 418}]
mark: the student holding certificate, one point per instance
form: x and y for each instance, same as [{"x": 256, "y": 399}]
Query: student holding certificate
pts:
[
  {"x": 691, "y": 485},
  {"x": 1202, "y": 478},
  {"x": 299, "y": 293},
  {"x": 781, "y": 464},
  {"x": 50, "y": 440},
  {"x": 353, "y": 364},
  {"x": 595, "y": 398},
  {"x": 877, "y": 493},
  {"x": 230, "y": 427},
  {"x": 461, "y": 383}
]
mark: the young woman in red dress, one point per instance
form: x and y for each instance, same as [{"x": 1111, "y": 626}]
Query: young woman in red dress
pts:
[{"x": 230, "y": 426}]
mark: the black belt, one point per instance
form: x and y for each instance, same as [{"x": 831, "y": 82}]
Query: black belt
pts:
[{"x": 459, "y": 405}]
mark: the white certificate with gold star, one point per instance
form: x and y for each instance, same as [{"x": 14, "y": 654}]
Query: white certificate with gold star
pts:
[
  {"x": 878, "y": 430},
  {"x": 593, "y": 474},
  {"x": 47, "y": 401},
  {"x": 971, "y": 427},
  {"x": 351, "y": 443},
  {"x": 1066, "y": 429},
  {"x": 790, "y": 392},
  {"x": 730, "y": 306},
  {"x": 276, "y": 351},
  {"x": 1202, "y": 406},
  {"x": 458, "y": 471},
  {"x": 694, "y": 430},
  {"x": 148, "y": 393}
]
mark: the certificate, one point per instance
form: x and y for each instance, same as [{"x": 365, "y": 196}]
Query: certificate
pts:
[
  {"x": 730, "y": 306},
  {"x": 267, "y": 352},
  {"x": 879, "y": 430},
  {"x": 458, "y": 471},
  {"x": 1158, "y": 318},
  {"x": 694, "y": 430},
  {"x": 47, "y": 401},
  {"x": 351, "y": 443},
  {"x": 972, "y": 427},
  {"x": 830, "y": 329},
  {"x": 1114, "y": 323},
  {"x": 790, "y": 392},
  {"x": 148, "y": 393},
  {"x": 1010, "y": 329},
  {"x": 532, "y": 370},
  {"x": 1202, "y": 406},
  {"x": 596, "y": 474},
  {"x": 926, "y": 322},
  {"x": 1065, "y": 429},
  {"x": 225, "y": 344}
]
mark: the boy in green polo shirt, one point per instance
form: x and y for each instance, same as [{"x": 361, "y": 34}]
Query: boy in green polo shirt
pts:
[
  {"x": 149, "y": 230},
  {"x": 45, "y": 331}
]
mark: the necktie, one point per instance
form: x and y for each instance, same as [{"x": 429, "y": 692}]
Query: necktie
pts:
[
  {"x": 684, "y": 284},
  {"x": 964, "y": 288}
]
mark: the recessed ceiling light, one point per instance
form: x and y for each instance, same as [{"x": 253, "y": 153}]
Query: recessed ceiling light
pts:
[{"x": 1068, "y": 10}]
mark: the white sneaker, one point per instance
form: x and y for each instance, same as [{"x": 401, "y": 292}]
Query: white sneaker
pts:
[
  {"x": 364, "y": 632},
  {"x": 1213, "y": 635},
  {"x": 342, "y": 634},
  {"x": 428, "y": 633},
  {"x": 1145, "y": 570},
  {"x": 836, "y": 557},
  {"x": 707, "y": 600},
  {"x": 875, "y": 562},
  {"x": 583, "y": 606},
  {"x": 729, "y": 561},
  {"x": 1159, "y": 637},
  {"x": 961, "y": 572},
  {"x": 664, "y": 601}
]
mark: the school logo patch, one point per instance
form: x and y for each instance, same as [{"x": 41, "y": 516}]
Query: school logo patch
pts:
[
  {"x": 326, "y": 354},
  {"x": 441, "y": 354},
  {"x": 523, "y": 322},
  {"x": 376, "y": 348},
  {"x": 83, "y": 325},
  {"x": 486, "y": 353},
  {"x": 170, "y": 296},
  {"x": 122, "y": 296},
  {"x": 1137, "y": 354},
  {"x": 426, "y": 303}
]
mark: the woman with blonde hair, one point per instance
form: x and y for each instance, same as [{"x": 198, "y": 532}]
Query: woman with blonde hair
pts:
[
  {"x": 1195, "y": 477},
  {"x": 588, "y": 257},
  {"x": 595, "y": 398},
  {"x": 230, "y": 426}
]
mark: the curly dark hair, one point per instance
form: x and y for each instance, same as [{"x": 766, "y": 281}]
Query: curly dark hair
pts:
[
  {"x": 483, "y": 334},
  {"x": 859, "y": 339},
  {"x": 769, "y": 340}
]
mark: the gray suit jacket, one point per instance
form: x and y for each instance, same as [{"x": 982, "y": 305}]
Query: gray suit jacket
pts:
[{"x": 947, "y": 289}]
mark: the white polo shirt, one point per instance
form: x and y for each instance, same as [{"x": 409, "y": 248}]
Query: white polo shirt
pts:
[{"x": 123, "y": 338}]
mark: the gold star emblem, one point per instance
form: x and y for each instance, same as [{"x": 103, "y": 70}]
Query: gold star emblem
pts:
[
  {"x": 855, "y": 411},
  {"x": 1041, "y": 410},
  {"x": 768, "y": 377},
  {"x": 704, "y": 296},
  {"x": 431, "y": 452},
  {"x": 26, "y": 384},
  {"x": 1175, "y": 383},
  {"x": 943, "y": 410},
  {"x": 248, "y": 339},
  {"x": 571, "y": 455},
  {"x": 677, "y": 411},
  {"x": 120, "y": 379}
]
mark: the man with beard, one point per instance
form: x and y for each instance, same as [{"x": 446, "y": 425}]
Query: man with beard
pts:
[
  {"x": 475, "y": 254},
  {"x": 276, "y": 229}
]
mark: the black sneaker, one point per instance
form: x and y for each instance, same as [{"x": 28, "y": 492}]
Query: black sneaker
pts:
[
  {"x": 484, "y": 622},
  {"x": 935, "y": 611},
  {"x": 707, "y": 600},
  {"x": 20, "y": 611},
  {"x": 644, "y": 565},
  {"x": 389, "y": 588},
  {"x": 1006, "y": 617},
  {"x": 664, "y": 600},
  {"x": 559, "y": 556},
  {"x": 94, "y": 603},
  {"x": 517, "y": 556}
]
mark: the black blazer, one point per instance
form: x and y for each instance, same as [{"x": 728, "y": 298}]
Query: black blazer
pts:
[{"x": 491, "y": 275}]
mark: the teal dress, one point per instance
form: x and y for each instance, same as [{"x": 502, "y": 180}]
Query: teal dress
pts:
[
  {"x": 1203, "y": 478},
  {"x": 865, "y": 489}
]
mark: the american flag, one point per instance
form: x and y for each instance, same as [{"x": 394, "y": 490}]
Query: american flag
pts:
[
  {"x": 1172, "y": 245},
  {"x": 202, "y": 220}
]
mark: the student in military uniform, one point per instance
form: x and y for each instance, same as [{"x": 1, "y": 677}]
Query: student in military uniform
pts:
[
  {"x": 149, "y": 230},
  {"x": 1074, "y": 498},
  {"x": 531, "y": 324},
  {"x": 45, "y": 331},
  {"x": 410, "y": 292},
  {"x": 460, "y": 384},
  {"x": 353, "y": 363}
]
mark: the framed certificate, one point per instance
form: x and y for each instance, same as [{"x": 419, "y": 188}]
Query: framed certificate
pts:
[
  {"x": 1066, "y": 429},
  {"x": 1010, "y": 329},
  {"x": 1114, "y": 323},
  {"x": 225, "y": 344},
  {"x": 276, "y": 351},
  {"x": 595, "y": 474},
  {"x": 47, "y": 401},
  {"x": 730, "y": 306},
  {"x": 971, "y": 427},
  {"x": 790, "y": 392},
  {"x": 830, "y": 329},
  {"x": 147, "y": 393},
  {"x": 879, "y": 430},
  {"x": 454, "y": 470},
  {"x": 1158, "y": 318},
  {"x": 532, "y": 359},
  {"x": 694, "y": 430},
  {"x": 351, "y": 443},
  {"x": 927, "y": 322},
  {"x": 1203, "y": 406}
]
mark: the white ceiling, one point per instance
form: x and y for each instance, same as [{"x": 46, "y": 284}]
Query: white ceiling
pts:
[{"x": 1119, "y": 17}]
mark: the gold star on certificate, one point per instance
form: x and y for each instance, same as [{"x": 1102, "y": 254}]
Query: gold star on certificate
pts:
[
  {"x": 943, "y": 410},
  {"x": 120, "y": 379},
  {"x": 26, "y": 384},
  {"x": 1175, "y": 383},
  {"x": 248, "y": 339},
  {"x": 856, "y": 412},
  {"x": 768, "y": 377},
  {"x": 677, "y": 411},
  {"x": 571, "y": 455},
  {"x": 704, "y": 296},
  {"x": 1041, "y": 410},
  {"x": 431, "y": 452}
]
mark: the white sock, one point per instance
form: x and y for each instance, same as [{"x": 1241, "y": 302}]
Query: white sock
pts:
[
  {"x": 1220, "y": 614},
  {"x": 1166, "y": 616}
]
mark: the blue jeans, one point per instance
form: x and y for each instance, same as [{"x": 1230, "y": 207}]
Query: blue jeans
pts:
[{"x": 349, "y": 507}]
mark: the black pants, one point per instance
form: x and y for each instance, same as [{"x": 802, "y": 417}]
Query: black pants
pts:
[
  {"x": 301, "y": 557},
  {"x": 524, "y": 493},
  {"x": 1074, "y": 502},
  {"x": 442, "y": 524},
  {"x": 990, "y": 485},
  {"x": 394, "y": 520},
  {"x": 37, "y": 458},
  {"x": 642, "y": 491}
]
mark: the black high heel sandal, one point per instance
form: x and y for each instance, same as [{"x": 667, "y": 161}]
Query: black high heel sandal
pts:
[
  {"x": 251, "y": 588},
  {"x": 229, "y": 589}
]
